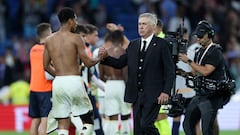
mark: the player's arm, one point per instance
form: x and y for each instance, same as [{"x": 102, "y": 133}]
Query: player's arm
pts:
[
  {"x": 100, "y": 84},
  {"x": 125, "y": 42},
  {"x": 88, "y": 62},
  {"x": 47, "y": 61},
  {"x": 113, "y": 27}
]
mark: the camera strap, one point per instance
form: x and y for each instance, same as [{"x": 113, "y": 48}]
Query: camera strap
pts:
[{"x": 204, "y": 53}]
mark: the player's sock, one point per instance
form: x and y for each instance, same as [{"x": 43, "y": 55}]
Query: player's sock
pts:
[
  {"x": 157, "y": 125},
  {"x": 62, "y": 132},
  {"x": 125, "y": 127},
  {"x": 175, "y": 127},
  {"x": 72, "y": 130},
  {"x": 163, "y": 127}
]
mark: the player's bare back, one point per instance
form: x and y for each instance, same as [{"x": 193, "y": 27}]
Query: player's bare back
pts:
[
  {"x": 111, "y": 73},
  {"x": 63, "y": 52}
]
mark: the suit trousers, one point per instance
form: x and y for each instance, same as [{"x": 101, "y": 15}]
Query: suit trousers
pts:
[{"x": 144, "y": 116}]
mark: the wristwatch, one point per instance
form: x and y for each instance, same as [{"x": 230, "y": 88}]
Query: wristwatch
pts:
[{"x": 189, "y": 61}]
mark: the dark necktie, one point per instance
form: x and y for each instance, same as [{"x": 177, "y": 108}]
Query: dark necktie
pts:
[{"x": 144, "y": 46}]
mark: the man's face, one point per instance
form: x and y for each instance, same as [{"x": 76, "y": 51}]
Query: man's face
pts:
[
  {"x": 145, "y": 28},
  {"x": 92, "y": 38},
  {"x": 49, "y": 32},
  {"x": 203, "y": 41}
]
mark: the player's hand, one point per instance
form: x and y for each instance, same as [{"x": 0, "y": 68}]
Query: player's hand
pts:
[
  {"x": 113, "y": 27},
  {"x": 163, "y": 99},
  {"x": 102, "y": 53}
]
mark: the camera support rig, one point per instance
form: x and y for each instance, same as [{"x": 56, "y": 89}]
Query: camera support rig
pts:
[{"x": 177, "y": 44}]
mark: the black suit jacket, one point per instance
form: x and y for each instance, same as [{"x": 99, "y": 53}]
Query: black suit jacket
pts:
[{"x": 158, "y": 69}]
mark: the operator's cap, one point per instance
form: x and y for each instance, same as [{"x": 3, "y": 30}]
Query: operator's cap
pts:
[
  {"x": 200, "y": 31},
  {"x": 204, "y": 27}
]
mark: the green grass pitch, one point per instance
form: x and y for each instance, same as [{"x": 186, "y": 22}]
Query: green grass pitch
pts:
[{"x": 227, "y": 132}]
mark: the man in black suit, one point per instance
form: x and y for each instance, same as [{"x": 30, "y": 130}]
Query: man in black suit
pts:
[{"x": 150, "y": 74}]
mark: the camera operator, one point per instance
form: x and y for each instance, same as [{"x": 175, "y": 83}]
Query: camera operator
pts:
[{"x": 208, "y": 63}]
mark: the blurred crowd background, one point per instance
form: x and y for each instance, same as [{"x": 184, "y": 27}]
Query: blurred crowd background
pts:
[{"x": 18, "y": 20}]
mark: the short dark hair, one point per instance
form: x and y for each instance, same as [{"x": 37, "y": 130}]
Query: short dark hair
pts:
[
  {"x": 81, "y": 29},
  {"x": 65, "y": 14},
  {"x": 41, "y": 29},
  {"x": 91, "y": 28},
  {"x": 115, "y": 37},
  {"x": 159, "y": 23}
]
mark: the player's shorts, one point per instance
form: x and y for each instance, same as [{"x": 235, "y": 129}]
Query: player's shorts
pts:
[
  {"x": 40, "y": 104},
  {"x": 114, "y": 98},
  {"x": 69, "y": 96}
]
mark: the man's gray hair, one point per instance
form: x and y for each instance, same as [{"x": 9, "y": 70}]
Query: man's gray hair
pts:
[{"x": 151, "y": 16}]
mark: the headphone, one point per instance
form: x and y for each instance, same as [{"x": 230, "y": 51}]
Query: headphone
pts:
[{"x": 208, "y": 27}]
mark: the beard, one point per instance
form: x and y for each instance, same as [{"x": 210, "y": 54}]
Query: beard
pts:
[{"x": 205, "y": 43}]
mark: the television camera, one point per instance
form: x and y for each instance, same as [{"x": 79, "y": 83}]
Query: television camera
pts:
[{"x": 177, "y": 44}]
